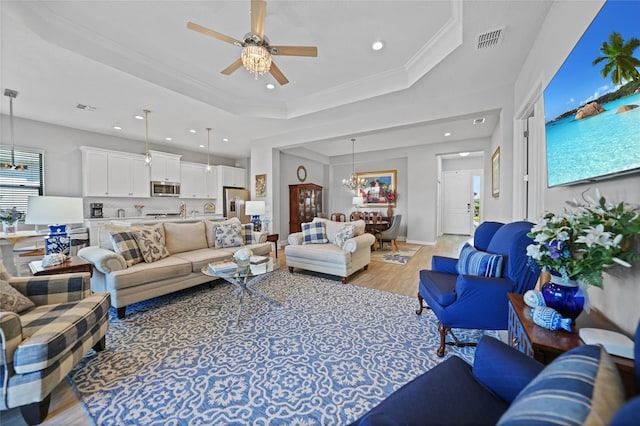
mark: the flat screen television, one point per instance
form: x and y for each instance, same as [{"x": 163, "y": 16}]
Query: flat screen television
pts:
[{"x": 582, "y": 146}]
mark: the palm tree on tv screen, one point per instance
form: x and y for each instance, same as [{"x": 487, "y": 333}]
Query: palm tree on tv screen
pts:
[{"x": 620, "y": 61}]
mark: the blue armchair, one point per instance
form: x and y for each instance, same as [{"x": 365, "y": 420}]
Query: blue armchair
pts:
[
  {"x": 462, "y": 300},
  {"x": 506, "y": 387}
]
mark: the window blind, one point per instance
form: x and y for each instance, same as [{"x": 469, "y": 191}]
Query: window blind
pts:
[{"x": 17, "y": 186}]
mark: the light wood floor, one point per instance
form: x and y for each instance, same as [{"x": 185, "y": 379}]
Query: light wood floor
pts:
[{"x": 402, "y": 279}]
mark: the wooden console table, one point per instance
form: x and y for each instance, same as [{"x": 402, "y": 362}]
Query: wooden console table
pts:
[
  {"x": 273, "y": 238},
  {"x": 73, "y": 264},
  {"x": 546, "y": 345}
]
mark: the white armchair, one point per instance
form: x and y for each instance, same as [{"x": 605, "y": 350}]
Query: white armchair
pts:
[{"x": 328, "y": 258}]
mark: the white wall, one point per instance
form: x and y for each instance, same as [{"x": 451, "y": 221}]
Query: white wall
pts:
[{"x": 565, "y": 24}]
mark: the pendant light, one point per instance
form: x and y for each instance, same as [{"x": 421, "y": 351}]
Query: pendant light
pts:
[
  {"x": 208, "y": 142},
  {"x": 147, "y": 155},
  {"x": 12, "y": 166}
]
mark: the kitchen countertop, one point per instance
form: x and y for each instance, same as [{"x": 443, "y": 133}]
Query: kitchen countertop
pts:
[{"x": 155, "y": 219}]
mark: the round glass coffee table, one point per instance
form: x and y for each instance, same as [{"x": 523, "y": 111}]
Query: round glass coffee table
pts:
[{"x": 244, "y": 278}]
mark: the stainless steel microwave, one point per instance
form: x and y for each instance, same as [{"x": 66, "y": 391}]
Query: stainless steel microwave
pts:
[{"x": 165, "y": 189}]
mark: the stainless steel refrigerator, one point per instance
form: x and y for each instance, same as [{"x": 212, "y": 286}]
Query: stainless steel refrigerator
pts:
[{"x": 233, "y": 200}]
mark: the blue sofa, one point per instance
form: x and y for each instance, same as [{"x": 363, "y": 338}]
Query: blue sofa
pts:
[{"x": 505, "y": 387}]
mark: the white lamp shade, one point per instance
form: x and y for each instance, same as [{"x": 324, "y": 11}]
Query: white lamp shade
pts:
[
  {"x": 254, "y": 208},
  {"x": 54, "y": 211}
]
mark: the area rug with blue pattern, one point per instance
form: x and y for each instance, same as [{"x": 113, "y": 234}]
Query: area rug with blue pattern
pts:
[
  {"x": 326, "y": 356},
  {"x": 399, "y": 257}
]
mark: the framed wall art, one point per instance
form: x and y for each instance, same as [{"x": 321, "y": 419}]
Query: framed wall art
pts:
[
  {"x": 378, "y": 188},
  {"x": 495, "y": 173},
  {"x": 261, "y": 186}
]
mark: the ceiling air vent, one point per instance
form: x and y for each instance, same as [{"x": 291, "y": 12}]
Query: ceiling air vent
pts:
[
  {"x": 479, "y": 121},
  {"x": 86, "y": 107},
  {"x": 490, "y": 38}
]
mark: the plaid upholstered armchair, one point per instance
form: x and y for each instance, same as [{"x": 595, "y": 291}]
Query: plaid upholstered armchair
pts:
[{"x": 46, "y": 327}]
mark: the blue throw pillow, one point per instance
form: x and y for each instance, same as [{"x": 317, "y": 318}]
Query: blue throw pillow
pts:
[
  {"x": 246, "y": 230},
  {"x": 314, "y": 233},
  {"x": 579, "y": 387},
  {"x": 479, "y": 263}
]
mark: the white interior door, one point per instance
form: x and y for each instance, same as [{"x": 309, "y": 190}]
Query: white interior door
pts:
[{"x": 457, "y": 198}]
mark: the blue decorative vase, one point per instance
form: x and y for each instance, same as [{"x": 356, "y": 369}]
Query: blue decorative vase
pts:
[
  {"x": 57, "y": 241},
  {"x": 565, "y": 296}
]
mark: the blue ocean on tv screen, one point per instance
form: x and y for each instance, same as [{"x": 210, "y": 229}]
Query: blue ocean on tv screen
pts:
[{"x": 595, "y": 146}]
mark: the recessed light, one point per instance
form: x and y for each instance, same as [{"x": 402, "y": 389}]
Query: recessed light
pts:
[
  {"x": 225, "y": 140},
  {"x": 167, "y": 139},
  {"x": 201, "y": 146},
  {"x": 463, "y": 154},
  {"x": 192, "y": 131},
  {"x": 447, "y": 134},
  {"x": 117, "y": 127},
  {"x": 377, "y": 45},
  {"x": 138, "y": 117},
  {"x": 270, "y": 86}
]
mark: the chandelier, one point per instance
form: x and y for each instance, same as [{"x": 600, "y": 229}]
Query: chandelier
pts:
[
  {"x": 256, "y": 59},
  {"x": 352, "y": 182},
  {"x": 12, "y": 94}
]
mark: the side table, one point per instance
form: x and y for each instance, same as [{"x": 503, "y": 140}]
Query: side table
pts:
[
  {"x": 546, "y": 345},
  {"x": 273, "y": 238},
  {"x": 73, "y": 264}
]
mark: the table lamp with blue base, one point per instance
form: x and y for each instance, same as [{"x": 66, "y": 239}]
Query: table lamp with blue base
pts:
[
  {"x": 57, "y": 213},
  {"x": 255, "y": 209}
]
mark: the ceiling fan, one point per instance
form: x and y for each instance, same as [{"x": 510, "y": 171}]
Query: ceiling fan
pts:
[{"x": 256, "y": 48}]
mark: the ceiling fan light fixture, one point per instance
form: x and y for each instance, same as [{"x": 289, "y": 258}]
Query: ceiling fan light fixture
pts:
[{"x": 256, "y": 59}]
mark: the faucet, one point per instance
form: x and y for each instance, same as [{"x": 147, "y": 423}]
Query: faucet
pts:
[{"x": 183, "y": 209}]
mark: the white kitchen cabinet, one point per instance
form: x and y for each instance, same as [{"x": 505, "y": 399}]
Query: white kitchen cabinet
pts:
[
  {"x": 113, "y": 174},
  {"x": 193, "y": 183},
  {"x": 94, "y": 173},
  {"x": 232, "y": 176},
  {"x": 128, "y": 175},
  {"x": 196, "y": 182},
  {"x": 165, "y": 167},
  {"x": 212, "y": 182}
]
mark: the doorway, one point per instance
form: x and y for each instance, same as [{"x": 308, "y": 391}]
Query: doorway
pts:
[{"x": 461, "y": 201}]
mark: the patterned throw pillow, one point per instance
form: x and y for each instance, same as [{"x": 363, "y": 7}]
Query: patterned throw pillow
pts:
[
  {"x": 347, "y": 232},
  {"x": 125, "y": 243},
  {"x": 579, "y": 387},
  {"x": 314, "y": 233},
  {"x": 228, "y": 235},
  {"x": 151, "y": 243},
  {"x": 11, "y": 300},
  {"x": 479, "y": 263},
  {"x": 246, "y": 230}
]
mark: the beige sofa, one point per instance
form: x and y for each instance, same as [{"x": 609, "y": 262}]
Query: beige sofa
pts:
[
  {"x": 191, "y": 246},
  {"x": 328, "y": 258}
]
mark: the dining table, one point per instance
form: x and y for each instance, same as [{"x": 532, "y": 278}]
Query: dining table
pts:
[{"x": 8, "y": 242}]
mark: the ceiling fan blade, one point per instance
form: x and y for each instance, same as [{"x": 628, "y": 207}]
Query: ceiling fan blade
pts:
[
  {"x": 295, "y": 50},
  {"x": 277, "y": 74},
  {"x": 258, "y": 12},
  {"x": 231, "y": 68},
  {"x": 214, "y": 34}
]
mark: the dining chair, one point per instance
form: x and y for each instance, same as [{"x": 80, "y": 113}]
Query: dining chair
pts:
[
  {"x": 356, "y": 216},
  {"x": 338, "y": 217},
  {"x": 391, "y": 233}
]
